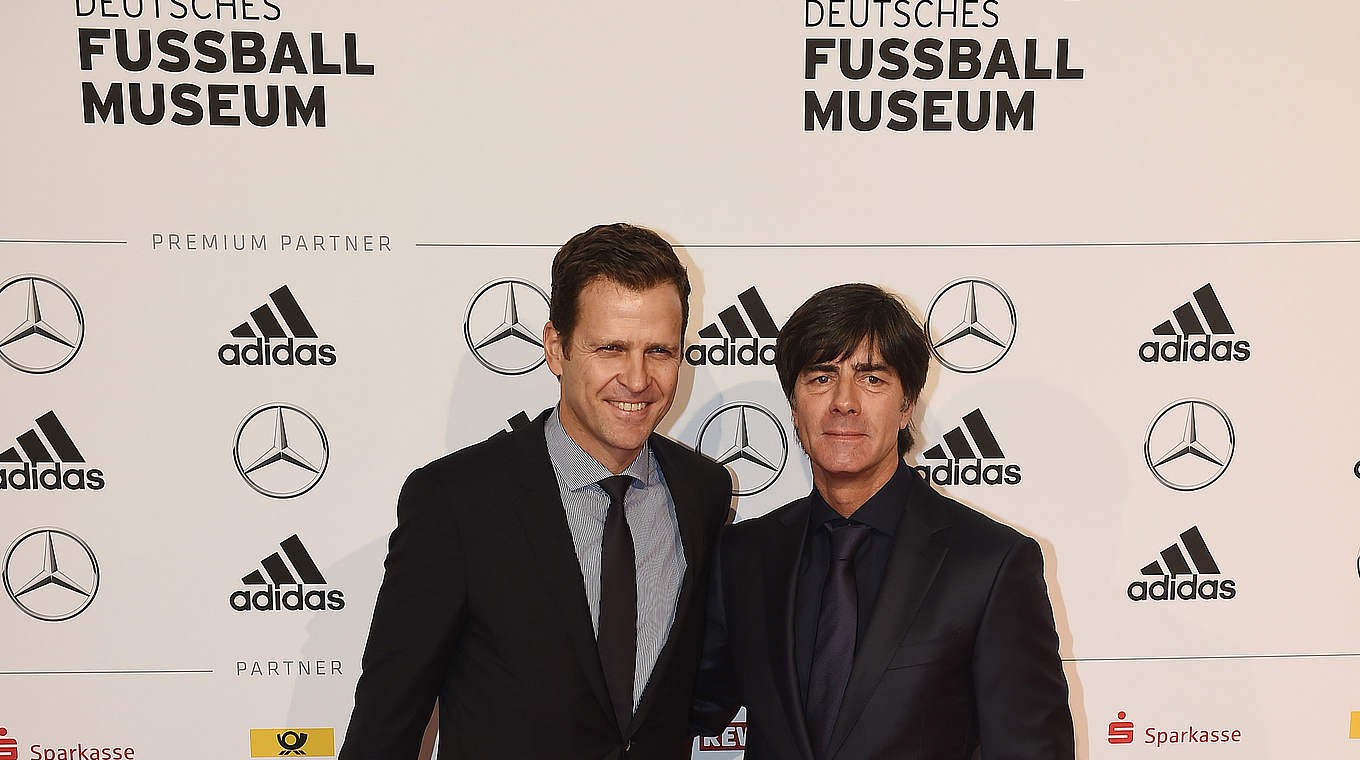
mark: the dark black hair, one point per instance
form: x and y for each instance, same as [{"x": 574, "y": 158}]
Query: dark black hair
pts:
[
  {"x": 830, "y": 325},
  {"x": 634, "y": 257}
]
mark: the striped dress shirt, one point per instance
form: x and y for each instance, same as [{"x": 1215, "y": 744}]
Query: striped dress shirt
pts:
[{"x": 658, "y": 553}]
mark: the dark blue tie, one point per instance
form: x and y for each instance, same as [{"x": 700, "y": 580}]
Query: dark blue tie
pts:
[
  {"x": 617, "y": 639},
  {"x": 834, "y": 653}
]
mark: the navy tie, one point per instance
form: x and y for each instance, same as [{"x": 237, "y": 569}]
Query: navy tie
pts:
[
  {"x": 617, "y": 639},
  {"x": 837, "y": 624}
]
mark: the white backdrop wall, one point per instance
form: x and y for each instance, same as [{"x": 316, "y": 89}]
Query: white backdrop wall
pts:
[{"x": 1200, "y": 146}]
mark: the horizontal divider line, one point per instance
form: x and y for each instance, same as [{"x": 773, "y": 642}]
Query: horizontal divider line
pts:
[
  {"x": 96, "y": 672},
  {"x": 1115, "y": 244},
  {"x": 66, "y": 242},
  {"x": 1214, "y": 657}
]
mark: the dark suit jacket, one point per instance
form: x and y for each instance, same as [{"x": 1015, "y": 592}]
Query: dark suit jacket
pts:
[
  {"x": 960, "y": 650},
  {"x": 484, "y": 607}
]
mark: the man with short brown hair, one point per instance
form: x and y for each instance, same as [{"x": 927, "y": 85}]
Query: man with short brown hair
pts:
[{"x": 546, "y": 585}]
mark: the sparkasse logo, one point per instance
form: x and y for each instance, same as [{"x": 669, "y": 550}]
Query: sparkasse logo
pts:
[
  {"x": 287, "y": 589},
  {"x": 957, "y": 462},
  {"x": 730, "y": 341},
  {"x": 45, "y": 461},
  {"x": 1177, "y": 579},
  {"x": 9, "y": 747},
  {"x": 1187, "y": 338},
  {"x": 294, "y": 344},
  {"x": 1122, "y": 731}
]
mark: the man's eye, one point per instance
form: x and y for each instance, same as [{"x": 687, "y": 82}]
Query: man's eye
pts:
[
  {"x": 821, "y": 379},
  {"x": 609, "y": 347},
  {"x": 873, "y": 379}
]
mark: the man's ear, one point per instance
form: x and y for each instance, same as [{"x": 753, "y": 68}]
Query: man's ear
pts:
[
  {"x": 553, "y": 349},
  {"x": 907, "y": 407}
]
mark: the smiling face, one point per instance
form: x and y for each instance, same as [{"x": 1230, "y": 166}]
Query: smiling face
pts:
[
  {"x": 620, "y": 370},
  {"x": 847, "y": 414}
]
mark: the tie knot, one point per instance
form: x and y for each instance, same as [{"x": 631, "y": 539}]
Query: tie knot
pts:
[
  {"x": 616, "y": 486},
  {"x": 846, "y": 538}
]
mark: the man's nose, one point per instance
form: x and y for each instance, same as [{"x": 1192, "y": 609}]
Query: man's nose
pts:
[
  {"x": 634, "y": 374},
  {"x": 845, "y": 398}
]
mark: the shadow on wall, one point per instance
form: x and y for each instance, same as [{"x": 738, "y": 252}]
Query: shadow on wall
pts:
[{"x": 1097, "y": 461}]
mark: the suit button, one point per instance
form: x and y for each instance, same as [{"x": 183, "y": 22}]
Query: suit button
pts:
[{"x": 628, "y": 745}]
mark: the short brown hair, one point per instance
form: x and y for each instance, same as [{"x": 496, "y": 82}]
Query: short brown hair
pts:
[
  {"x": 633, "y": 257},
  {"x": 830, "y": 325}
]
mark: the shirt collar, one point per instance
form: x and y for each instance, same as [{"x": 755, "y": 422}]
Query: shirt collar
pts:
[
  {"x": 576, "y": 469},
  {"x": 882, "y": 511}
]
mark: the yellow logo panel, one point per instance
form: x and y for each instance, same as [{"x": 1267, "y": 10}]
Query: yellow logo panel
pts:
[
  {"x": 1355, "y": 724},
  {"x": 292, "y": 742}
]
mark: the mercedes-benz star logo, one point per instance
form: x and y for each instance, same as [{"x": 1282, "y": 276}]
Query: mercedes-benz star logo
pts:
[
  {"x": 747, "y": 439},
  {"x": 503, "y": 325},
  {"x": 51, "y": 574},
  {"x": 51, "y": 329},
  {"x": 281, "y": 450},
  {"x": 1189, "y": 444},
  {"x": 970, "y": 324}
]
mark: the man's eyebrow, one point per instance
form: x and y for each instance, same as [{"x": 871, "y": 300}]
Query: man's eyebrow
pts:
[
  {"x": 828, "y": 367},
  {"x": 871, "y": 367},
  {"x": 625, "y": 343}
]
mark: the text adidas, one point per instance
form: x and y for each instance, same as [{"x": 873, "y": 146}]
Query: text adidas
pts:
[
  {"x": 295, "y": 599},
  {"x": 1181, "y": 588},
  {"x": 54, "y": 478},
  {"x": 730, "y": 352},
  {"x": 262, "y": 353},
  {"x": 973, "y": 473},
  {"x": 1182, "y": 349}
]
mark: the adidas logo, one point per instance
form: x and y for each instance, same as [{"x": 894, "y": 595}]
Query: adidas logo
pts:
[
  {"x": 736, "y": 342},
  {"x": 964, "y": 463},
  {"x": 46, "y": 465},
  {"x": 288, "y": 348},
  {"x": 1179, "y": 578},
  {"x": 284, "y": 588},
  {"x": 1190, "y": 338}
]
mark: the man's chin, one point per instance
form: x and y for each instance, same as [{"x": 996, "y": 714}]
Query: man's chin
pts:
[
  {"x": 842, "y": 466},
  {"x": 631, "y": 439}
]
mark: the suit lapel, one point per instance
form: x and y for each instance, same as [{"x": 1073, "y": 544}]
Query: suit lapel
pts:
[
  {"x": 545, "y": 524},
  {"x": 689, "y": 515},
  {"x": 917, "y": 553},
  {"x": 781, "y": 585}
]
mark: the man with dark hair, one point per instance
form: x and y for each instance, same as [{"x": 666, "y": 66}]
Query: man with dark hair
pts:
[
  {"x": 875, "y": 617},
  {"x": 546, "y": 585}
]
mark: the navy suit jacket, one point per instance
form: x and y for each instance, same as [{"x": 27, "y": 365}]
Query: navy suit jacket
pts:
[
  {"x": 483, "y": 607},
  {"x": 960, "y": 650}
]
